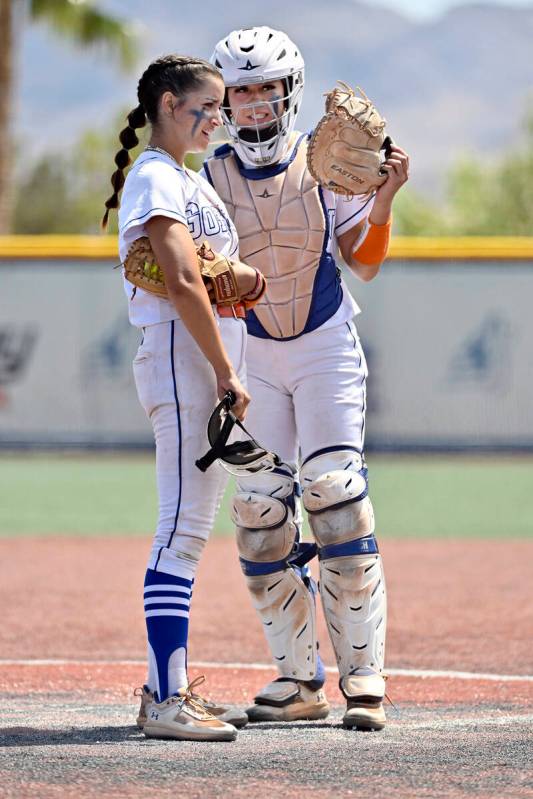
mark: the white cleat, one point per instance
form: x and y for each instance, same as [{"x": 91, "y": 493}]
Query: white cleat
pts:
[
  {"x": 288, "y": 700},
  {"x": 182, "y": 718},
  {"x": 231, "y": 715}
]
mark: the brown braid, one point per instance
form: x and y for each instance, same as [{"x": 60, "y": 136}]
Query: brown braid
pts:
[
  {"x": 128, "y": 139},
  {"x": 170, "y": 73}
]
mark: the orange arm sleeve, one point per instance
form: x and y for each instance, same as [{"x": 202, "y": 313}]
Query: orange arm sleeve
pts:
[{"x": 375, "y": 245}]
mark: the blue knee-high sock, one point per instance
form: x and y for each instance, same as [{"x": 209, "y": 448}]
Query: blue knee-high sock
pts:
[{"x": 166, "y": 608}]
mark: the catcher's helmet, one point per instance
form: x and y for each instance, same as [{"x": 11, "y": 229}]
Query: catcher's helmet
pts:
[
  {"x": 242, "y": 457},
  {"x": 259, "y": 55}
]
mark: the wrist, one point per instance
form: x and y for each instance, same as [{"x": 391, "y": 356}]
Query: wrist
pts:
[
  {"x": 380, "y": 215},
  {"x": 381, "y": 212},
  {"x": 257, "y": 286},
  {"x": 252, "y": 298},
  {"x": 386, "y": 222},
  {"x": 224, "y": 370}
]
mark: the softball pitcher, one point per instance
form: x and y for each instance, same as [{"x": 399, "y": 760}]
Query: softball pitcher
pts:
[
  {"x": 191, "y": 352},
  {"x": 307, "y": 377}
]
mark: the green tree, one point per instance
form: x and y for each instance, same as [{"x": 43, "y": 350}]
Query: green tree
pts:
[
  {"x": 497, "y": 200},
  {"x": 469, "y": 183},
  {"x": 480, "y": 200},
  {"x": 415, "y": 215},
  {"x": 78, "y": 20},
  {"x": 34, "y": 212},
  {"x": 78, "y": 181}
]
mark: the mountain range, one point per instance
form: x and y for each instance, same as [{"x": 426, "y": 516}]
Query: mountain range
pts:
[{"x": 458, "y": 85}]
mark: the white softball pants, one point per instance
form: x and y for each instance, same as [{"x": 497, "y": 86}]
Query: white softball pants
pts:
[
  {"x": 177, "y": 389},
  {"x": 307, "y": 394}
]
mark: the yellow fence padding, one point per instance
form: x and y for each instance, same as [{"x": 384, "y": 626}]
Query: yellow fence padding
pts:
[{"x": 402, "y": 247}]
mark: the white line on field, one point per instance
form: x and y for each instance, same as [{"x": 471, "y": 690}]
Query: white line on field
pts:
[{"x": 207, "y": 664}]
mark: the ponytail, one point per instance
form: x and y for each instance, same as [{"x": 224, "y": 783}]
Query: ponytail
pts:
[{"x": 128, "y": 139}]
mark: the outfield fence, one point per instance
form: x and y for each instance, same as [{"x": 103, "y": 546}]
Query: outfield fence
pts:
[{"x": 446, "y": 327}]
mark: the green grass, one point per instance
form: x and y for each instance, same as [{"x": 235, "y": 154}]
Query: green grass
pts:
[{"x": 413, "y": 496}]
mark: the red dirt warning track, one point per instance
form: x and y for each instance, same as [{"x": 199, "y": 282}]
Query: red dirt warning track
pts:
[
  {"x": 452, "y": 605},
  {"x": 67, "y": 728}
]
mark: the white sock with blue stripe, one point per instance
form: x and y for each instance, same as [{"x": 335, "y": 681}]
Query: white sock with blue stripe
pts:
[{"x": 166, "y": 608}]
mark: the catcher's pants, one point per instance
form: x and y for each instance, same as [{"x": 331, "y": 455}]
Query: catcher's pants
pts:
[
  {"x": 309, "y": 393},
  {"x": 177, "y": 389}
]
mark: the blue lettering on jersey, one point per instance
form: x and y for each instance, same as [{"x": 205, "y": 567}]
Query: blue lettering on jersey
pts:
[{"x": 206, "y": 220}]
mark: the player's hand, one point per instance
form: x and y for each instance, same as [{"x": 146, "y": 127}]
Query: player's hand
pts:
[
  {"x": 246, "y": 277},
  {"x": 230, "y": 382},
  {"x": 397, "y": 168}
]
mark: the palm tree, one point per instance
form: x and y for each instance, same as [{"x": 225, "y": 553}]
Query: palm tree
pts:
[{"x": 78, "y": 20}]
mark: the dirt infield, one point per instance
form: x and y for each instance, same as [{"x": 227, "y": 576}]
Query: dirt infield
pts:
[
  {"x": 73, "y": 649},
  {"x": 452, "y": 605}
]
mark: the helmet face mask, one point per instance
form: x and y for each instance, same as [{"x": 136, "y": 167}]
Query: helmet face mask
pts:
[
  {"x": 240, "y": 457},
  {"x": 261, "y": 56},
  {"x": 261, "y": 140}
]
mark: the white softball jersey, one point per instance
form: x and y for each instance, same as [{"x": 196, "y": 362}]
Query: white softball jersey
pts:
[{"x": 157, "y": 186}]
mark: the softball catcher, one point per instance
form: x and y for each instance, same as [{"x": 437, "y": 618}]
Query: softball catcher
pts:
[{"x": 306, "y": 373}]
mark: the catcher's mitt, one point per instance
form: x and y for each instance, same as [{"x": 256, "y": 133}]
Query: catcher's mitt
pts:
[
  {"x": 344, "y": 151},
  {"x": 141, "y": 269}
]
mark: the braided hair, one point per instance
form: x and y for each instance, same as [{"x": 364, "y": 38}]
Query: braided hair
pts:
[{"x": 171, "y": 73}]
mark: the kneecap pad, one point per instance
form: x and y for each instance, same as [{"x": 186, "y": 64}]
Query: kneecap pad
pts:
[{"x": 335, "y": 496}]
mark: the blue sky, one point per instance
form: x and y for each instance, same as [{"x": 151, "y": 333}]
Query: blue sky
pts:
[
  {"x": 425, "y": 9},
  {"x": 417, "y": 9}
]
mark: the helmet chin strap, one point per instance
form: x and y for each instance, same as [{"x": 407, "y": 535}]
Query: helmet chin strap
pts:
[
  {"x": 246, "y": 456},
  {"x": 253, "y": 165},
  {"x": 257, "y": 135}
]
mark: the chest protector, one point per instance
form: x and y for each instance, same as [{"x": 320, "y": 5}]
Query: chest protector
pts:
[{"x": 283, "y": 231}]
